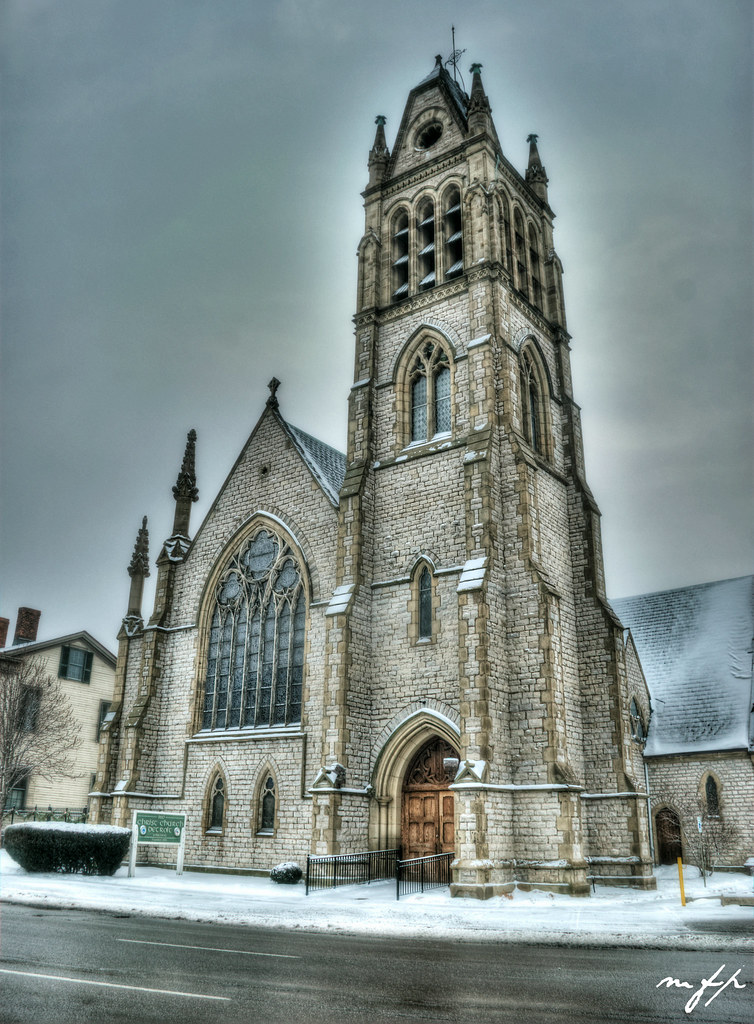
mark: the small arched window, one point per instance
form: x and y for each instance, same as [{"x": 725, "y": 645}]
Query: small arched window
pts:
[
  {"x": 217, "y": 806},
  {"x": 399, "y": 256},
  {"x": 453, "y": 234},
  {"x": 425, "y": 604},
  {"x": 267, "y": 806},
  {"x": 533, "y": 413},
  {"x": 711, "y": 797},
  {"x": 637, "y": 723},
  {"x": 505, "y": 234},
  {"x": 255, "y": 659},
  {"x": 430, "y": 393},
  {"x": 426, "y": 239}
]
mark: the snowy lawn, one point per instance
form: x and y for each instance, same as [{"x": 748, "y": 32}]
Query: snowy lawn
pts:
[{"x": 611, "y": 916}]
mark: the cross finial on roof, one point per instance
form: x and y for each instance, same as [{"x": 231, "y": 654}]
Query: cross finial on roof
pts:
[{"x": 273, "y": 386}]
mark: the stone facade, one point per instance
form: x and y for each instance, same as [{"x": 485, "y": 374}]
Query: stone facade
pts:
[{"x": 464, "y": 459}]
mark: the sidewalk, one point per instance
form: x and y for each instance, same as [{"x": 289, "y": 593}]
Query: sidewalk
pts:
[{"x": 611, "y": 917}]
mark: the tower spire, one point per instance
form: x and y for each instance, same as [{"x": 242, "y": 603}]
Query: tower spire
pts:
[
  {"x": 535, "y": 172},
  {"x": 185, "y": 491},
  {"x": 379, "y": 154},
  {"x": 138, "y": 570},
  {"x": 479, "y": 109}
]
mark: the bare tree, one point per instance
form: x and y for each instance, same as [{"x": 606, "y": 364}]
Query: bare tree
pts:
[{"x": 39, "y": 734}]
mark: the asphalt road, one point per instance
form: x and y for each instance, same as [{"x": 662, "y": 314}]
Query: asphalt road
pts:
[{"x": 72, "y": 967}]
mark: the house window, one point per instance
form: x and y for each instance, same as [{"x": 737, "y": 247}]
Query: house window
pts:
[
  {"x": 711, "y": 796},
  {"x": 255, "y": 658},
  {"x": 426, "y": 238},
  {"x": 75, "y": 664},
  {"x": 31, "y": 701},
  {"x": 267, "y": 808},
  {"x": 425, "y": 604},
  {"x": 104, "y": 707},
  {"x": 217, "y": 806},
  {"x": 453, "y": 229},
  {"x": 15, "y": 798},
  {"x": 430, "y": 393}
]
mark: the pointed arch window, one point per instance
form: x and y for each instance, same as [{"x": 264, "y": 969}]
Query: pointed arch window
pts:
[
  {"x": 637, "y": 722},
  {"x": 535, "y": 270},
  {"x": 426, "y": 239},
  {"x": 519, "y": 243},
  {"x": 453, "y": 233},
  {"x": 711, "y": 797},
  {"x": 255, "y": 658},
  {"x": 505, "y": 234},
  {"x": 267, "y": 804},
  {"x": 534, "y": 420},
  {"x": 399, "y": 256},
  {"x": 217, "y": 806},
  {"x": 425, "y": 604},
  {"x": 430, "y": 393}
]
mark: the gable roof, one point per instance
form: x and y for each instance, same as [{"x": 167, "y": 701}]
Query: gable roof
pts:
[
  {"x": 695, "y": 646},
  {"x": 61, "y": 641},
  {"x": 327, "y": 464}
]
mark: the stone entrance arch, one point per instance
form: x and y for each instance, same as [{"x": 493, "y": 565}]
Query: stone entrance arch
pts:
[
  {"x": 427, "y": 805},
  {"x": 668, "y": 832},
  {"x": 398, "y": 759}
]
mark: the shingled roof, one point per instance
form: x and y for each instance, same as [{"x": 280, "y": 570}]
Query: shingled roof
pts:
[
  {"x": 327, "y": 464},
  {"x": 695, "y": 646}
]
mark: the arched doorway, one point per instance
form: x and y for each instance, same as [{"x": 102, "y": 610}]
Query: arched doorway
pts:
[
  {"x": 427, "y": 821},
  {"x": 668, "y": 832}
]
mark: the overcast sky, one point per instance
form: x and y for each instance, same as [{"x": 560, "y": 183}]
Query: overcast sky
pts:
[{"x": 180, "y": 214}]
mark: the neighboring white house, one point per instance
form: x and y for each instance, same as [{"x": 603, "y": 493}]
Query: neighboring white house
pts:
[{"x": 87, "y": 673}]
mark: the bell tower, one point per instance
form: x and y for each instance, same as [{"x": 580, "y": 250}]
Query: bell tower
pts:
[{"x": 470, "y": 609}]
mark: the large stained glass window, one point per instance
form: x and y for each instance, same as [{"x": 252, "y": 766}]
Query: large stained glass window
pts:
[{"x": 255, "y": 661}]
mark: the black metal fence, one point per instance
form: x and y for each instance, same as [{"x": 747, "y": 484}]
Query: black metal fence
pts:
[
  {"x": 17, "y": 814},
  {"x": 350, "y": 869},
  {"x": 422, "y": 873}
]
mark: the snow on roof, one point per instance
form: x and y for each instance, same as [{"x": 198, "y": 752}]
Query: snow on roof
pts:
[
  {"x": 327, "y": 464},
  {"x": 42, "y": 645},
  {"x": 695, "y": 646}
]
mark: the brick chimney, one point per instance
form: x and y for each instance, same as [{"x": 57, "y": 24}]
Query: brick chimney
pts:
[
  {"x": 26, "y": 626},
  {"x": 4, "y": 623}
]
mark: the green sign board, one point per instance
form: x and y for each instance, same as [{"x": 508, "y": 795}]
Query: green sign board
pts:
[{"x": 159, "y": 828}]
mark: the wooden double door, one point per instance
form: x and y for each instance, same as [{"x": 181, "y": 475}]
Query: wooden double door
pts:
[{"x": 428, "y": 824}]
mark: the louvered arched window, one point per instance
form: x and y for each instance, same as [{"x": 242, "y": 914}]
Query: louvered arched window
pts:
[
  {"x": 533, "y": 406},
  {"x": 255, "y": 658},
  {"x": 426, "y": 239},
  {"x": 453, "y": 234}
]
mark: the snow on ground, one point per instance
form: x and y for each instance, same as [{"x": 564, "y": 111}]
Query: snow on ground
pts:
[{"x": 611, "y": 916}]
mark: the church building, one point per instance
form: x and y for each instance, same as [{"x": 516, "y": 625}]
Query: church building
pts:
[{"x": 409, "y": 644}]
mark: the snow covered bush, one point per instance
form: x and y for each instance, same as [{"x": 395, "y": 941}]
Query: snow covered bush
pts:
[
  {"x": 287, "y": 874},
  {"x": 65, "y": 847}
]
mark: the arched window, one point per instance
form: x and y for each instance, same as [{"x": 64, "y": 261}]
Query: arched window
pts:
[
  {"x": 519, "y": 243},
  {"x": 399, "y": 256},
  {"x": 430, "y": 393},
  {"x": 637, "y": 722},
  {"x": 535, "y": 271},
  {"x": 453, "y": 233},
  {"x": 426, "y": 239},
  {"x": 533, "y": 393},
  {"x": 217, "y": 806},
  {"x": 255, "y": 660},
  {"x": 711, "y": 797},
  {"x": 425, "y": 604},
  {"x": 267, "y": 801}
]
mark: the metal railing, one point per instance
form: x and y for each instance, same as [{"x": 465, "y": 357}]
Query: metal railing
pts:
[
  {"x": 17, "y": 814},
  {"x": 422, "y": 873},
  {"x": 327, "y": 872}
]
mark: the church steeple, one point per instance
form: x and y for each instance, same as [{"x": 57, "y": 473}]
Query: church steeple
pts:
[{"x": 535, "y": 172}]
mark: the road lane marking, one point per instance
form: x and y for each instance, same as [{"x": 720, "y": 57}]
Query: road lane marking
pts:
[
  {"x": 112, "y": 984},
  {"x": 209, "y": 949}
]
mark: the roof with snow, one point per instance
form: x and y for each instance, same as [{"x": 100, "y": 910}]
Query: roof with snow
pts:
[
  {"x": 695, "y": 646},
  {"x": 327, "y": 464}
]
